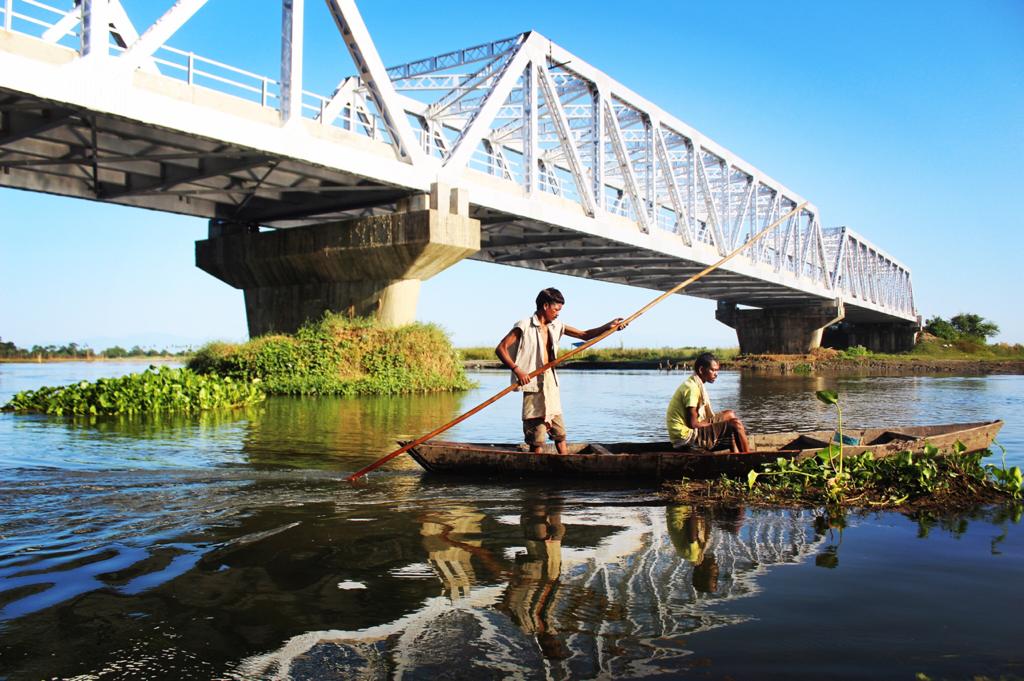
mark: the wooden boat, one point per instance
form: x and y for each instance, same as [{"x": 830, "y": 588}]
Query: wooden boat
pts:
[{"x": 659, "y": 460}]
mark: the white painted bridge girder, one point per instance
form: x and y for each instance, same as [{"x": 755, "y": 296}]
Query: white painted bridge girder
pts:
[{"x": 568, "y": 170}]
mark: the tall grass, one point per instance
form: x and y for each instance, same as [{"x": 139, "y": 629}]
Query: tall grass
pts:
[
  {"x": 966, "y": 348},
  {"x": 338, "y": 355},
  {"x": 938, "y": 349}
]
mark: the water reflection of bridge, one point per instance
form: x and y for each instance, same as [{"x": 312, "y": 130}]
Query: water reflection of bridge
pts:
[{"x": 594, "y": 592}]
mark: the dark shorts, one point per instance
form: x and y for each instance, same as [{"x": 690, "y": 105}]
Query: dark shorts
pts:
[
  {"x": 537, "y": 431},
  {"x": 712, "y": 437}
]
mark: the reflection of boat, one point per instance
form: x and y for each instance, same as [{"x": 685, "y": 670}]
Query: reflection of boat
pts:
[{"x": 659, "y": 460}]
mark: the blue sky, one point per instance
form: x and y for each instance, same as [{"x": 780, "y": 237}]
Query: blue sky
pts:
[{"x": 904, "y": 121}]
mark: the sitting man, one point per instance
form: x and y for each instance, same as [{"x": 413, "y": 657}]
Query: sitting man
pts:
[{"x": 692, "y": 423}]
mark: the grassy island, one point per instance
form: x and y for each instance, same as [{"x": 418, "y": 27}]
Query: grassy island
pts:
[
  {"x": 342, "y": 356},
  {"x": 333, "y": 356}
]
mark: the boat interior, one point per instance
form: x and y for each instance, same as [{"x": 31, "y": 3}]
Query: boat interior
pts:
[{"x": 818, "y": 440}]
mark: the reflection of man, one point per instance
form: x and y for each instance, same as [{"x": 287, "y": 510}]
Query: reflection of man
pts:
[
  {"x": 690, "y": 532},
  {"x": 450, "y": 555},
  {"x": 531, "y": 590}
]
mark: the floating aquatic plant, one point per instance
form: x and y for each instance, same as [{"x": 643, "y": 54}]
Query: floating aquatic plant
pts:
[{"x": 155, "y": 390}]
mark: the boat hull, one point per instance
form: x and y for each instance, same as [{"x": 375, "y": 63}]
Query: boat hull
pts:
[{"x": 657, "y": 460}]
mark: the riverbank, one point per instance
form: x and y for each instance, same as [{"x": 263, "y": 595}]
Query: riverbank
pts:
[
  {"x": 823, "y": 363},
  {"x": 931, "y": 355},
  {"x": 802, "y": 364}
]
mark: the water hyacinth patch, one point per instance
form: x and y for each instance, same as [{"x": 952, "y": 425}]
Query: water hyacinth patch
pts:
[
  {"x": 930, "y": 478},
  {"x": 155, "y": 390}
]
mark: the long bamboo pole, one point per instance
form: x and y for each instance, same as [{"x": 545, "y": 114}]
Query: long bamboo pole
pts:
[{"x": 575, "y": 351}]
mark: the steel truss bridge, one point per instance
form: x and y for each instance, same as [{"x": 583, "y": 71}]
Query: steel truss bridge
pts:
[{"x": 568, "y": 170}]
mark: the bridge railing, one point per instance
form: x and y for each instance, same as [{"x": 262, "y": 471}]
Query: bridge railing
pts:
[
  {"x": 63, "y": 27},
  {"x": 34, "y": 18},
  {"x": 215, "y": 75}
]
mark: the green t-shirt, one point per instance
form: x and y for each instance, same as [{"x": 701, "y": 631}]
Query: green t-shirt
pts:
[{"x": 686, "y": 395}]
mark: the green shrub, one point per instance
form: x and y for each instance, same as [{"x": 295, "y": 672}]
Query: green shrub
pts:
[
  {"x": 856, "y": 351},
  {"x": 154, "y": 390},
  {"x": 338, "y": 355},
  {"x": 941, "y": 328}
]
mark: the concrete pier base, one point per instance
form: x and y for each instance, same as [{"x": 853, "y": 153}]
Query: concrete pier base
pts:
[
  {"x": 368, "y": 266},
  {"x": 285, "y": 308},
  {"x": 780, "y": 330},
  {"x": 888, "y": 337}
]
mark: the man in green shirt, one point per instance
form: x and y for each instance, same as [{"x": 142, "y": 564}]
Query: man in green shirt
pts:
[{"x": 691, "y": 421}]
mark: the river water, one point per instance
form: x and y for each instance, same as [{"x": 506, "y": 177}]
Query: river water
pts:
[{"x": 228, "y": 546}]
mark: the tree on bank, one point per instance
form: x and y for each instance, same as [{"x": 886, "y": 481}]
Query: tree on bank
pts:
[
  {"x": 9, "y": 350},
  {"x": 964, "y": 326}
]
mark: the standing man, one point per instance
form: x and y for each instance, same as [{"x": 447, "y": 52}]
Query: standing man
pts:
[
  {"x": 691, "y": 421},
  {"x": 532, "y": 343}
]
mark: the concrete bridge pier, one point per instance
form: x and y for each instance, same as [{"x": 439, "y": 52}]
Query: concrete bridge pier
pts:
[
  {"x": 780, "y": 330},
  {"x": 881, "y": 337},
  {"x": 369, "y": 266}
]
